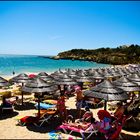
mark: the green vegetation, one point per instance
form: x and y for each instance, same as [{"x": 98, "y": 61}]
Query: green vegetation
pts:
[{"x": 116, "y": 56}]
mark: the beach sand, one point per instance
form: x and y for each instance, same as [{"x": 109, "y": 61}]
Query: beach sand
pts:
[{"x": 9, "y": 129}]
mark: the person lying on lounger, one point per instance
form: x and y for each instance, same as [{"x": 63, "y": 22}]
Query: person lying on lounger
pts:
[{"x": 83, "y": 125}]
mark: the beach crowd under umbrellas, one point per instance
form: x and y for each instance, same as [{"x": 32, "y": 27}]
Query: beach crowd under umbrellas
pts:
[{"x": 90, "y": 87}]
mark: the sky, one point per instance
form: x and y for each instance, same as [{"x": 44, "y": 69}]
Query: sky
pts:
[{"x": 50, "y": 27}]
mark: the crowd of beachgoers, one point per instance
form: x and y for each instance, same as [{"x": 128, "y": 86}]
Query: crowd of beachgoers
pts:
[{"x": 71, "y": 104}]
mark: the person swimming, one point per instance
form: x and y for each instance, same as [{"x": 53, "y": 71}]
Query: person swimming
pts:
[{"x": 13, "y": 72}]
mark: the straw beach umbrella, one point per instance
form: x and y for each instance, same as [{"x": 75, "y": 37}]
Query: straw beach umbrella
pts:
[
  {"x": 21, "y": 78},
  {"x": 107, "y": 74},
  {"x": 134, "y": 77},
  {"x": 115, "y": 74},
  {"x": 107, "y": 91},
  {"x": 4, "y": 82},
  {"x": 71, "y": 73},
  {"x": 64, "y": 80},
  {"x": 46, "y": 77},
  {"x": 121, "y": 72},
  {"x": 42, "y": 74},
  {"x": 127, "y": 85},
  {"x": 100, "y": 70},
  {"x": 82, "y": 77},
  {"x": 98, "y": 77},
  {"x": 38, "y": 86},
  {"x": 57, "y": 73}
]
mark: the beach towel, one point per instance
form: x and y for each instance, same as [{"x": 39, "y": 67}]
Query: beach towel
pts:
[
  {"x": 53, "y": 135},
  {"x": 45, "y": 106}
]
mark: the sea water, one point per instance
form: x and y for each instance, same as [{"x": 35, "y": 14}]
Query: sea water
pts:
[{"x": 36, "y": 64}]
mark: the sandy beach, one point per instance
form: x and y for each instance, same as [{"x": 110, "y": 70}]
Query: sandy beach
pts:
[{"x": 10, "y": 129}]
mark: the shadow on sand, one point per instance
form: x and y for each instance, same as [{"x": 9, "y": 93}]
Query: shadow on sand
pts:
[
  {"x": 46, "y": 127},
  {"x": 7, "y": 115},
  {"x": 74, "y": 113},
  {"x": 52, "y": 127},
  {"x": 129, "y": 137},
  {"x": 25, "y": 106},
  {"x": 53, "y": 124},
  {"x": 132, "y": 125}
]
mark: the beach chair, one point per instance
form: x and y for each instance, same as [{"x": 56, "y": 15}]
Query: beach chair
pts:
[
  {"x": 45, "y": 116},
  {"x": 22, "y": 121},
  {"x": 52, "y": 102},
  {"x": 7, "y": 109},
  {"x": 85, "y": 133}
]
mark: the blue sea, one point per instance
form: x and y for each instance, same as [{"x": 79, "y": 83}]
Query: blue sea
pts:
[{"x": 35, "y": 64}]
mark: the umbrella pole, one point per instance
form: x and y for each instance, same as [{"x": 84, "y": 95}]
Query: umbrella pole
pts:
[
  {"x": 38, "y": 105},
  {"x": 59, "y": 88},
  {"x": 105, "y": 106},
  {"x": 22, "y": 95}
]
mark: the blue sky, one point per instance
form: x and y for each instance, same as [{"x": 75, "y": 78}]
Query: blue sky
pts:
[{"x": 47, "y": 28}]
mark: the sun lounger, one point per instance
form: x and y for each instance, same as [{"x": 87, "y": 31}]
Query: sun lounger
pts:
[
  {"x": 7, "y": 109},
  {"x": 46, "y": 115},
  {"x": 68, "y": 129},
  {"x": 53, "y": 102},
  {"x": 22, "y": 121}
]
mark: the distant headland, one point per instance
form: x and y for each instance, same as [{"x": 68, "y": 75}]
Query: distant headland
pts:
[{"x": 115, "y": 56}]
